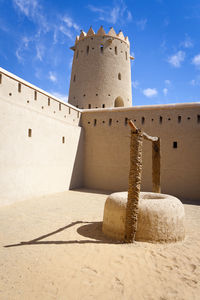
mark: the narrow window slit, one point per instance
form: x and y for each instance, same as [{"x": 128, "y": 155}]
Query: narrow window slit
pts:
[
  {"x": 160, "y": 120},
  {"x": 143, "y": 120},
  {"x": 179, "y": 119},
  {"x": 126, "y": 121},
  {"x": 116, "y": 50},
  {"x": 35, "y": 95},
  {"x": 89, "y": 106},
  {"x": 101, "y": 48},
  {"x": 63, "y": 139},
  {"x": 49, "y": 101},
  {"x": 29, "y": 132},
  {"x": 95, "y": 122},
  {"x": 198, "y": 118},
  {"x": 19, "y": 87},
  {"x": 59, "y": 106},
  {"x": 103, "y": 105},
  {"x": 110, "y": 122},
  {"x": 87, "y": 50},
  {"x": 0, "y": 78},
  {"x": 175, "y": 145}
]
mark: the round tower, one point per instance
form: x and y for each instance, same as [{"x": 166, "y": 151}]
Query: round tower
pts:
[{"x": 101, "y": 73}]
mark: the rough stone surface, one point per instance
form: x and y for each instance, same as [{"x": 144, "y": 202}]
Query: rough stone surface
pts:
[{"x": 160, "y": 217}]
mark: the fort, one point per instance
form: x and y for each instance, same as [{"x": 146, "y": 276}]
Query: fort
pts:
[
  {"x": 49, "y": 146},
  {"x": 66, "y": 239}
]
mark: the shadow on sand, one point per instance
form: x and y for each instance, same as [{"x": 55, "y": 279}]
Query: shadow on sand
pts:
[{"x": 92, "y": 230}]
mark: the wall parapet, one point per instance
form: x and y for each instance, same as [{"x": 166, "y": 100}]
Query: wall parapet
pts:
[{"x": 20, "y": 91}]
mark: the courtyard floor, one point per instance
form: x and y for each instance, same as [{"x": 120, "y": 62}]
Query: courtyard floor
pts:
[{"x": 52, "y": 247}]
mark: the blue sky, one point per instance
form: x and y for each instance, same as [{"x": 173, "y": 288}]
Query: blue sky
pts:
[{"x": 35, "y": 36}]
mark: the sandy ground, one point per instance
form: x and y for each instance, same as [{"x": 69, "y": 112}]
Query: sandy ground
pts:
[{"x": 57, "y": 251}]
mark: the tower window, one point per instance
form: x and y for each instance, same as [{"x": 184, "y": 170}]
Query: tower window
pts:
[
  {"x": 103, "y": 105},
  {"x": 110, "y": 122},
  {"x": 0, "y": 78},
  {"x": 175, "y": 145},
  {"x": 126, "y": 121},
  {"x": 87, "y": 49},
  {"x": 59, "y": 106},
  {"x": 35, "y": 95},
  {"x": 96, "y": 94},
  {"x": 49, "y": 101},
  {"x": 77, "y": 54},
  {"x": 179, "y": 119},
  {"x": 29, "y": 132},
  {"x": 19, "y": 87},
  {"x": 119, "y": 76},
  {"x": 69, "y": 110},
  {"x": 89, "y": 106},
  {"x": 160, "y": 120},
  {"x": 101, "y": 48},
  {"x": 95, "y": 122},
  {"x": 143, "y": 120},
  {"x": 126, "y": 55},
  {"x": 83, "y": 95},
  {"x": 74, "y": 79},
  {"x": 198, "y": 118},
  {"x": 116, "y": 50},
  {"x": 63, "y": 139}
]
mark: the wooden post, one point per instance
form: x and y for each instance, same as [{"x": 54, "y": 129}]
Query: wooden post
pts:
[
  {"x": 156, "y": 166},
  {"x": 135, "y": 175}
]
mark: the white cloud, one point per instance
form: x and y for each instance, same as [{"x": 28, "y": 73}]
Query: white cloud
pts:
[
  {"x": 135, "y": 84},
  {"x": 40, "y": 50},
  {"x": 32, "y": 10},
  {"x": 70, "y": 23},
  {"x": 176, "y": 59},
  {"x": 167, "y": 82},
  {"x": 141, "y": 24},
  {"x": 187, "y": 43},
  {"x": 23, "y": 46},
  {"x": 150, "y": 92},
  {"x": 165, "y": 91},
  {"x": 67, "y": 32},
  {"x": 196, "y": 60},
  {"x": 60, "y": 96},
  {"x": 115, "y": 14},
  {"x": 196, "y": 81},
  {"x": 52, "y": 76},
  {"x": 27, "y": 7}
]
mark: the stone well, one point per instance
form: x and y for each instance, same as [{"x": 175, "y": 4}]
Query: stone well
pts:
[{"x": 160, "y": 217}]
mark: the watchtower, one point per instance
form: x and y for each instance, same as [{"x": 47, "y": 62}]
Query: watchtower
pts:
[{"x": 101, "y": 73}]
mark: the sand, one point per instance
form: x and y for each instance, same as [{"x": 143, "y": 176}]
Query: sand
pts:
[{"x": 57, "y": 251}]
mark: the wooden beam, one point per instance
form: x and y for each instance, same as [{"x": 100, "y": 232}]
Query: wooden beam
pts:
[
  {"x": 150, "y": 138},
  {"x": 156, "y": 187}
]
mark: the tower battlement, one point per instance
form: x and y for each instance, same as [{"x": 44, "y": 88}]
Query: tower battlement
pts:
[{"x": 101, "y": 33}]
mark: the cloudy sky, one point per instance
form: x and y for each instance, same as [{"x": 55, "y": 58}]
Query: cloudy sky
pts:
[{"x": 35, "y": 37}]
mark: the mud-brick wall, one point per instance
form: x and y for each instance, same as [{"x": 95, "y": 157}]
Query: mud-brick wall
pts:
[{"x": 107, "y": 138}]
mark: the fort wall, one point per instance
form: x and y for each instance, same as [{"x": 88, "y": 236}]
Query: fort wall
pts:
[
  {"x": 107, "y": 138},
  {"x": 41, "y": 142}
]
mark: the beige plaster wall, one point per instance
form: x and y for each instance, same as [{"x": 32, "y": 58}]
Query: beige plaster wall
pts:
[
  {"x": 94, "y": 77},
  {"x": 106, "y": 160},
  {"x": 40, "y": 164}
]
